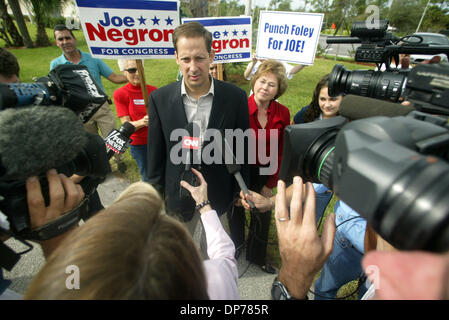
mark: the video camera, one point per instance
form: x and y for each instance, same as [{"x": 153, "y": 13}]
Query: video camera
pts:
[
  {"x": 424, "y": 85},
  {"x": 392, "y": 171},
  {"x": 67, "y": 85},
  {"x": 36, "y": 139}
]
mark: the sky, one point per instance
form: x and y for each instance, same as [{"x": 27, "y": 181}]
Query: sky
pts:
[{"x": 263, "y": 3}]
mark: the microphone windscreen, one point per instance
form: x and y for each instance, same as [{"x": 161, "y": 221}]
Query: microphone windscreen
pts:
[
  {"x": 36, "y": 139},
  {"x": 356, "y": 107}
]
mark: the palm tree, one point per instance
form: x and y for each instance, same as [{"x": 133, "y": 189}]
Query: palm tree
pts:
[
  {"x": 15, "y": 7},
  {"x": 10, "y": 27},
  {"x": 42, "y": 10}
]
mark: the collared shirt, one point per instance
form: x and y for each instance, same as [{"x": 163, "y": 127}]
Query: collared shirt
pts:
[
  {"x": 278, "y": 118},
  {"x": 198, "y": 111},
  {"x": 97, "y": 67}
]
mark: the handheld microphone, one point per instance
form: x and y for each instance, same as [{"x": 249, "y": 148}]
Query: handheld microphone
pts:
[
  {"x": 190, "y": 144},
  {"x": 356, "y": 107},
  {"x": 118, "y": 141},
  {"x": 233, "y": 167}
]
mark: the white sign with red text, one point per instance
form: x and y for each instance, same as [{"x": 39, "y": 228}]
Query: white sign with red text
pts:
[
  {"x": 132, "y": 29},
  {"x": 231, "y": 37}
]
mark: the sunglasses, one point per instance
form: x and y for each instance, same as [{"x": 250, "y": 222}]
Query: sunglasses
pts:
[{"x": 131, "y": 70}]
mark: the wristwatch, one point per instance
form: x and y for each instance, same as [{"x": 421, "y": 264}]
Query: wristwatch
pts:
[{"x": 280, "y": 292}]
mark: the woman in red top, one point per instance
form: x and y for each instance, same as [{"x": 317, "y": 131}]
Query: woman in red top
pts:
[
  {"x": 268, "y": 119},
  {"x": 131, "y": 108}
]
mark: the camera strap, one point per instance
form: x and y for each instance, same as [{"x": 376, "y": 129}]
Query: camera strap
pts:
[{"x": 60, "y": 225}]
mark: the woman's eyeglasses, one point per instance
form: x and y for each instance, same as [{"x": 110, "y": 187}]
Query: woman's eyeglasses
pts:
[{"x": 131, "y": 70}]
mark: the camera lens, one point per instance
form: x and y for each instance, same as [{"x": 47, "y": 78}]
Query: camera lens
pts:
[
  {"x": 387, "y": 85},
  {"x": 414, "y": 213},
  {"x": 319, "y": 159}
]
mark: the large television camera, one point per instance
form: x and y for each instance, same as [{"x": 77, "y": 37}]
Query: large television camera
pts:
[
  {"x": 423, "y": 85},
  {"x": 392, "y": 171}
]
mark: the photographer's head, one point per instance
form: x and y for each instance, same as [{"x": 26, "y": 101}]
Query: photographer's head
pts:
[
  {"x": 270, "y": 81},
  {"x": 131, "y": 250},
  {"x": 9, "y": 67},
  {"x": 323, "y": 104}
]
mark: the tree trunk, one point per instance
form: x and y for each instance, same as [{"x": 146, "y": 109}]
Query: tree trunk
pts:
[
  {"x": 15, "y": 7},
  {"x": 199, "y": 8},
  {"x": 41, "y": 36},
  {"x": 17, "y": 40}
]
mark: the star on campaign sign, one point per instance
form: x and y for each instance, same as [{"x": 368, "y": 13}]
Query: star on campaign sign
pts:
[{"x": 231, "y": 37}]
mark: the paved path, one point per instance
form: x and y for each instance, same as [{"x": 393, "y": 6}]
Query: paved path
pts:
[{"x": 253, "y": 285}]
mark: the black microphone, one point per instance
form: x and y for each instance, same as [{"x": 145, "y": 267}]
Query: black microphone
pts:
[
  {"x": 190, "y": 153},
  {"x": 356, "y": 107},
  {"x": 233, "y": 167},
  {"x": 35, "y": 139},
  {"x": 118, "y": 141}
]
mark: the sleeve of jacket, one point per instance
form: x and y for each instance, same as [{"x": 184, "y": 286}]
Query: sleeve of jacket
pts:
[{"x": 156, "y": 148}]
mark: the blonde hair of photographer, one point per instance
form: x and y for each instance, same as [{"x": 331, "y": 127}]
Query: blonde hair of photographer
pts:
[{"x": 131, "y": 250}]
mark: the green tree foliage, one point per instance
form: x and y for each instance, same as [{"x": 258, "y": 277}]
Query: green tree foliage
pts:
[
  {"x": 405, "y": 14},
  {"x": 42, "y": 10},
  {"x": 231, "y": 8},
  {"x": 435, "y": 20},
  {"x": 8, "y": 28}
]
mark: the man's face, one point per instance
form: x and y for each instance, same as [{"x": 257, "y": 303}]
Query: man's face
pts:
[
  {"x": 65, "y": 41},
  {"x": 193, "y": 59}
]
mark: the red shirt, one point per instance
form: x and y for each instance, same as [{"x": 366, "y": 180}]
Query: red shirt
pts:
[
  {"x": 278, "y": 118},
  {"x": 129, "y": 102}
]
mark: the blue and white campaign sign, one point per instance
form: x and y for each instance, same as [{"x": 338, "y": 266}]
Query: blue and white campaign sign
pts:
[
  {"x": 231, "y": 37},
  {"x": 288, "y": 36},
  {"x": 134, "y": 29}
]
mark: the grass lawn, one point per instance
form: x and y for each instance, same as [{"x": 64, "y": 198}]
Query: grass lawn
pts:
[{"x": 36, "y": 62}]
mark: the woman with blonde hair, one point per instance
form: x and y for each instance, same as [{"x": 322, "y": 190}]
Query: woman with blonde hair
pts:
[
  {"x": 134, "y": 250},
  {"x": 268, "y": 119}
]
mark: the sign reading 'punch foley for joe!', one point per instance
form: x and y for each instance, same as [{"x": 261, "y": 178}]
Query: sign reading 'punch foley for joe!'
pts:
[
  {"x": 231, "y": 37},
  {"x": 135, "y": 29},
  {"x": 288, "y": 36}
]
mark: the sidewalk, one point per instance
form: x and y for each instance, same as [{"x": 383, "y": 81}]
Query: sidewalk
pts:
[{"x": 253, "y": 284}]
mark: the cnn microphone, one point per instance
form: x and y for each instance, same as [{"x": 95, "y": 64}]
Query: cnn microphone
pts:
[{"x": 190, "y": 153}]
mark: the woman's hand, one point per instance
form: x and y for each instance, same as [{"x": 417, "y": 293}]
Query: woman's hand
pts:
[{"x": 199, "y": 194}]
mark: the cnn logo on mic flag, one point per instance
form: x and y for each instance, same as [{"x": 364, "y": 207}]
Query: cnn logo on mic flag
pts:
[{"x": 190, "y": 143}]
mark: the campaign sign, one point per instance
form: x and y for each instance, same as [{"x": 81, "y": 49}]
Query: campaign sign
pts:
[
  {"x": 288, "y": 36},
  {"x": 231, "y": 37},
  {"x": 132, "y": 29}
]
